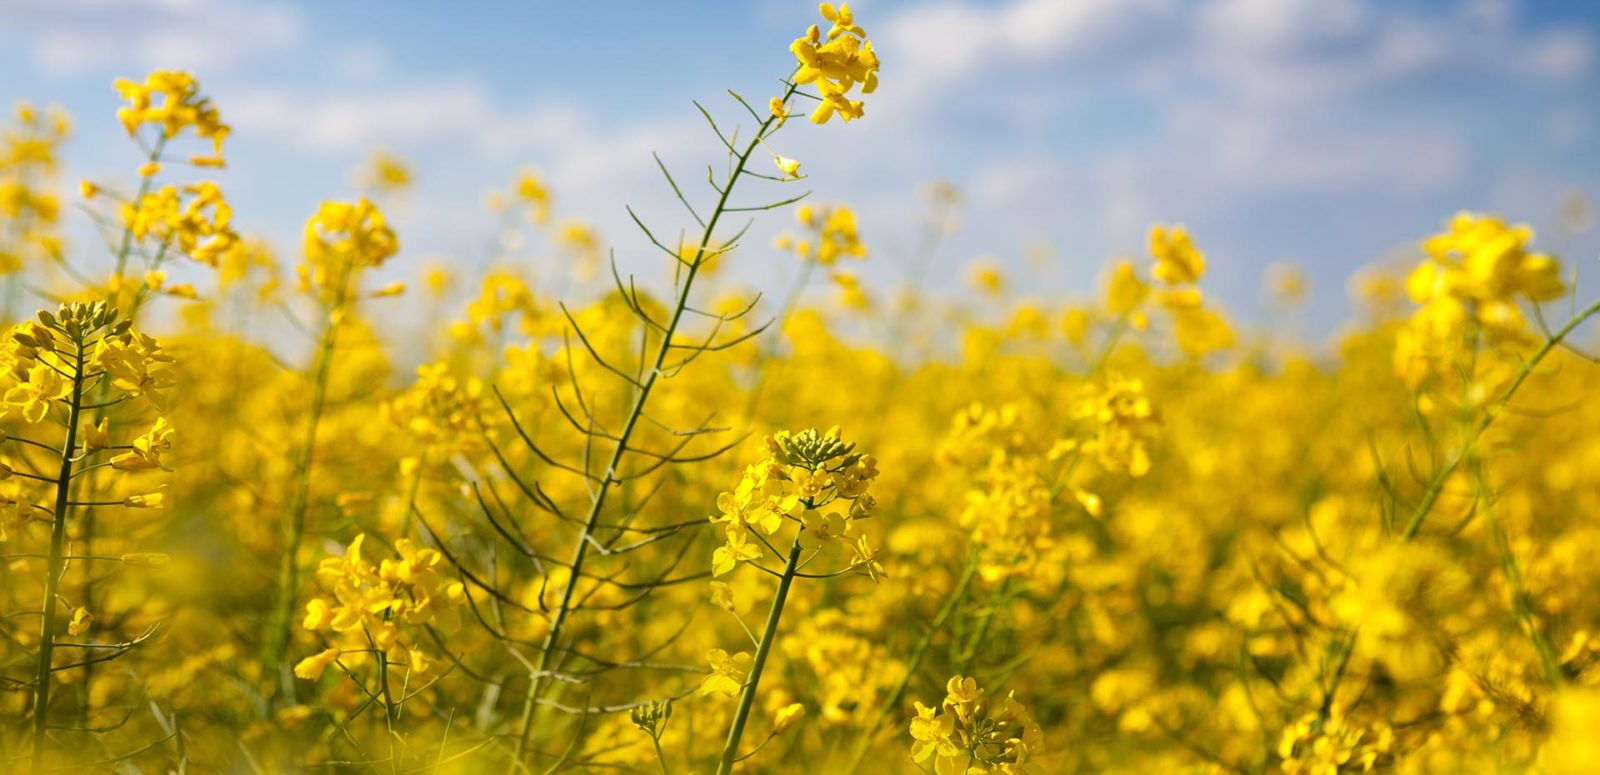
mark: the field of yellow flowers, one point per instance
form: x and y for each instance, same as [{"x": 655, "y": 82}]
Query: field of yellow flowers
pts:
[{"x": 673, "y": 528}]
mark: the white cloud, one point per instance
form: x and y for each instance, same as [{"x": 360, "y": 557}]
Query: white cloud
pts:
[
  {"x": 1012, "y": 181},
  {"x": 1244, "y": 152},
  {"x": 1251, "y": 96},
  {"x": 1268, "y": 28},
  {"x": 930, "y": 45},
  {"x": 361, "y": 61},
  {"x": 458, "y": 115},
  {"x": 1560, "y": 54},
  {"x": 356, "y": 119},
  {"x": 75, "y": 36}
]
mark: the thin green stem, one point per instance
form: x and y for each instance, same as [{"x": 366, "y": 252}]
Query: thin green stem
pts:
[
  {"x": 144, "y": 189},
  {"x": 55, "y": 568},
  {"x": 986, "y": 621},
  {"x": 289, "y": 565},
  {"x": 390, "y": 710},
  {"x": 609, "y": 478},
  {"x": 1519, "y": 595},
  {"x": 1346, "y": 647},
  {"x": 915, "y": 660},
  {"x": 730, "y": 749},
  {"x": 661, "y": 758},
  {"x": 1436, "y": 486},
  {"x": 922, "y": 259}
]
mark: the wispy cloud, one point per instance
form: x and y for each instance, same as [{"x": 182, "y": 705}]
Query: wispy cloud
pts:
[
  {"x": 71, "y": 36},
  {"x": 1250, "y": 95},
  {"x": 1079, "y": 122}
]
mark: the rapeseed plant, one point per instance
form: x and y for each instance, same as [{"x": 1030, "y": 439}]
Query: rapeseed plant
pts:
[{"x": 1121, "y": 533}]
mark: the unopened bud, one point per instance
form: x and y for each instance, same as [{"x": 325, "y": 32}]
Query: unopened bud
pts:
[{"x": 145, "y": 559}]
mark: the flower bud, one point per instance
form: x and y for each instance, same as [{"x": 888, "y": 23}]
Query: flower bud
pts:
[{"x": 145, "y": 559}]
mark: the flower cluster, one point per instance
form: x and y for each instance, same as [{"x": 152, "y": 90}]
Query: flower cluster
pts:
[
  {"x": 837, "y": 64},
  {"x": 1116, "y": 422},
  {"x": 829, "y": 234},
  {"x": 1327, "y": 744},
  {"x": 196, "y": 222},
  {"x": 341, "y": 239},
  {"x": 170, "y": 100},
  {"x": 1476, "y": 275},
  {"x": 1178, "y": 266},
  {"x": 530, "y": 189},
  {"x": 1178, "y": 262},
  {"x": 439, "y": 411},
  {"x": 38, "y": 374},
  {"x": 136, "y": 365},
  {"x": 385, "y": 173},
  {"x": 146, "y": 451},
  {"x": 580, "y": 242},
  {"x": 849, "y": 672},
  {"x": 1007, "y": 505},
  {"x": 371, "y": 602},
  {"x": 38, "y": 357},
  {"x": 971, "y": 733},
  {"x": 1484, "y": 263},
  {"x": 812, "y": 480}
]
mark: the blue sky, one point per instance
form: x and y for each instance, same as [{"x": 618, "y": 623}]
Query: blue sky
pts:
[{"x": 1330, "y": 133}]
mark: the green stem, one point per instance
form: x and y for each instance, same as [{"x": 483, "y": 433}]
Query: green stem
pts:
[
  {"x": 390, "y": 711},
  {"x": 661, "y": 758},
  {"x": 1519, "y": 596},
  {"x": 893, "y": 701},
  {"x": 971, "y": 652},
  {"x": 730, "y": 749},
  {"x": 580, "y": 552},
  {"x": 1346, "y": 647},
  {"x": 289, "y": 563},
  {"x": 807, "y": 268},
  {"x": 1436, "y": 486},
  {"x": 55, "y": 567},
  {"x": 144, "y": 189}
]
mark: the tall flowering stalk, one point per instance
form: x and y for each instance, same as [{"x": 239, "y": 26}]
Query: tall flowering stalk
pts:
[
  {"x": 159, "y": 225},
  {"x": 665, "y": 361},
  {"x": 615, "y": 451},
  {"x": 1463, "y": 347},
  {"x": 374, "y": 613},
  {"x": 342, "y": 240},
  {"x": 53, "y": 365},
  {"x": 814, "y": 487}
]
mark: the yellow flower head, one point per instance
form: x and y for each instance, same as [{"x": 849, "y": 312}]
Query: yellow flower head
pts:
[
  {"x": 727, "y": 673},
  {"x": 830, "y": 235},
  {"x": 1178, "y": 261},
  {"x": 170, "y": 100},
  {"x": 837, "y": 65},
  {"x": 351, "y": 233}
]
